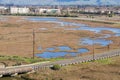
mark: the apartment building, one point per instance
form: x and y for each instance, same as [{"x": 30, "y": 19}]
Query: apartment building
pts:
[
  {"x": 19, "y": 10},
  {"x": 47, "y": 11},
  {"x": 3, "y": 10}
]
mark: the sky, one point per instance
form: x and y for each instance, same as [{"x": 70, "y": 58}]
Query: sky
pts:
[{"x": 62, "y": 2}]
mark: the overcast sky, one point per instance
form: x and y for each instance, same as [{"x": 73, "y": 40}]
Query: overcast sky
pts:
[{"x": 65, "y": 2}]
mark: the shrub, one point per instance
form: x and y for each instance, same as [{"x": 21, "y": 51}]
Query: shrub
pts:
[
  {"x": 17, "y": 64},
  {"x": 56, "y": 67}
]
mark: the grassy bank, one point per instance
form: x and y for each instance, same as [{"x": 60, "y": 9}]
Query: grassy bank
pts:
[{"x": 16, "y": 60}]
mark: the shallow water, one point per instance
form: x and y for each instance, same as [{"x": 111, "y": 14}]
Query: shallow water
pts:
[
  {"x": 49, "y": 53},
  {"x": 118, "y": 34},
  {"x": 60, "y": 48},
  {"x": 96, "y": 29},
  {"x": 89, "y": 41},
  {"x": 50, "y": 49},
  {"x": 82, "y": 50},
  {"x": 45, "y": 19},
  {"x": 64, "y": 48},
  {"x": 79, "y": 26}
]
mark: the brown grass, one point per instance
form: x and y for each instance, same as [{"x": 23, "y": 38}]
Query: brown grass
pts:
[
  {"x": 16, "y": 37},
  {"x": 94, "y": 23},
  {"x": 86, "y": 71}
]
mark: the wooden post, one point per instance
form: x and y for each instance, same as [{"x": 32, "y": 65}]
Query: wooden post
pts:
[
  {"x": 33, "y": 43},
  {"x": 93, "y": 48},
  {"x": 108, "y": 47},
  {"x": 93, "y": 51}
]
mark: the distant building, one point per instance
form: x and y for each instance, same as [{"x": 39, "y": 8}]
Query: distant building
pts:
[
  {"x": 40, "y": 11},
  {"x": 3, "y": 10},
  {"x": 3, "y": 7},
  {"x": 54, "y": 11},
  {"x": 19, "y": 10},
  {"x": 117, "y": 11},
  {"x": 90, "y": 10},
  {"x": 47, "y": 11}
]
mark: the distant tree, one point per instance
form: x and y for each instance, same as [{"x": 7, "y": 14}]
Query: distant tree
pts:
[{"x": 111, "y": 14}]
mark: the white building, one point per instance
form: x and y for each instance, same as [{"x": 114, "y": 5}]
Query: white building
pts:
[
  {"x": 19, "y": 10},
  {"x": 48, "y": 11},
  {"x": 53, "y": 10},
  {"x": 3, "y": 10},
  {"x": 3, "y": 7},
  {"x": 40, "y": 11}
]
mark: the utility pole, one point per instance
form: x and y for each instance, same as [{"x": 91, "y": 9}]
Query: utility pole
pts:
[
  {"x": 93, "y": 50},
  {"x": 108, "y": 46},
  {"x": 33, "y": 33}
]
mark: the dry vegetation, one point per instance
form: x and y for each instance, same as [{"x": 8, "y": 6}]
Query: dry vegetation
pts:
[
  {"x": 95, "y": 23},
  {"x": 107, "y": 69},
  {"x": 16, "y": 36}
]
